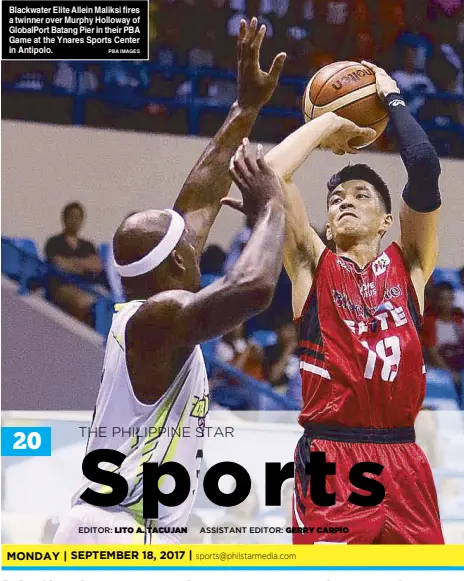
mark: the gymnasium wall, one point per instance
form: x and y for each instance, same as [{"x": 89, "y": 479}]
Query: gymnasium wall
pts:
[
  {"x": 113, "y": 173},
  {"x": 46, "y": 365}
]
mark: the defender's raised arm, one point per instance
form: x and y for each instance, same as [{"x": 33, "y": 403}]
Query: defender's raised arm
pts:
[{"x": 209, "y": 181}]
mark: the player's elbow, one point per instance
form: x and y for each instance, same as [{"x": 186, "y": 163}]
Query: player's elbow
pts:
[
  {"x": 422, "y": 163},
  {"x": 278, "y": 166},
  {"x": 257, "y": 292},
  {"x": 264, "y": 293}
]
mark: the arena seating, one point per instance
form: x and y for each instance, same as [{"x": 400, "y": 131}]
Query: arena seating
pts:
[
  {"x": 447, "y": 275},
  {"x": 194, "y": 114},
  {"x": 21, "y": 262},
  {"x": 441, "y": 391}
]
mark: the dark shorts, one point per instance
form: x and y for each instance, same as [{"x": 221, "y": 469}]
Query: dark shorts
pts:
[{"x": 408, "y": 514}]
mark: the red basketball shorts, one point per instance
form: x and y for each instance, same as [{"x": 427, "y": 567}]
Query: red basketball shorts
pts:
[{"x": 408, "y": 514}]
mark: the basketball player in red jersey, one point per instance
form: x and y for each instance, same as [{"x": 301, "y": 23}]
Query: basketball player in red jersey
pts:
[{"x": 359, "y": 311}]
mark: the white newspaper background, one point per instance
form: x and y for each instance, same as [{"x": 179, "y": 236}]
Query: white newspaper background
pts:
[{"x": 36, "y": 491}]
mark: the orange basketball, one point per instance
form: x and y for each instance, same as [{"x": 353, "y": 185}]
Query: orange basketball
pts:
[{"x": 348, "y": 89}]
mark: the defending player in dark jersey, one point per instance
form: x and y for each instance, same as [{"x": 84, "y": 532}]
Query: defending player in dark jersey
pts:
[{"x": 359, "y": 311}]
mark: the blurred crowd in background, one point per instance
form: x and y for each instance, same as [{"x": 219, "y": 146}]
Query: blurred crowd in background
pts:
[
  {"x": 256, "y": 365},
  {"x": 185, "y": 86}
]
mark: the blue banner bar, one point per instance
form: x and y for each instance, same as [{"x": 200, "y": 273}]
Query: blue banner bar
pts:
[{"x": 22, "y": 441}]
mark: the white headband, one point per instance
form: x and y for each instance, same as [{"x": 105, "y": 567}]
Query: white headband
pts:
[{"x": 159, "y": 253}]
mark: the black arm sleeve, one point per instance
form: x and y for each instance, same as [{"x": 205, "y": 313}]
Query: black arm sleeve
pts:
[{"x": 420, "y": 159}]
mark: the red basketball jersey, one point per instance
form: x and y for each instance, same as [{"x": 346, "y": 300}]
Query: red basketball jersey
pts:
[{"x": 360, "y": 355}]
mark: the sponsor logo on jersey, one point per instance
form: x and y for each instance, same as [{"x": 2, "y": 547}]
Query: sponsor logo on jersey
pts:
[
  {"x": 367, "y": 289},
  {"x": 380, "y": 265},
  {"x": 393, "y": 292},
  {"x": 200, "y": 407},
  {"x": 341, "y": 300},
  {"x": 343, "y": 264}
]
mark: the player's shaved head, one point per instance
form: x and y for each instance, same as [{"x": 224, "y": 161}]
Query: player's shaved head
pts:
[{"x": 139, "y": 234}]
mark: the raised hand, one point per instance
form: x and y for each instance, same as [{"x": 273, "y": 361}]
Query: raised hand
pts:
[
  {"x": 254, "y": 86},
  {"x": 344, "y": 131},
  {"x": 256, "y": 181},
  {"x": 384, "y": 83}
]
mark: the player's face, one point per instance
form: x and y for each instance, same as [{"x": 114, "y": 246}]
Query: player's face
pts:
[{"x": 355, "y": 212}]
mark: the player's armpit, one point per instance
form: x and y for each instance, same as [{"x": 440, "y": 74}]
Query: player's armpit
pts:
[
  {"x": 188, "y": 319},
  {"x": 419, "y": 243},
  {"x": 303, "y": 247}
]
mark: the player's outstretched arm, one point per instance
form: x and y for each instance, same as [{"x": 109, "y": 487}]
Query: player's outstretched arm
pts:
[
  {"x": 421, "y": 195},
  {"x": 303, "y": 247},
  {"x": 209, "y": 181},
  {"x": 247, "y": 289}
]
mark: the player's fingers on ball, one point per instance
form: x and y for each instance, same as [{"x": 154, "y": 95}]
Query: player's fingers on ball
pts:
[
  {"x": 277, "y": 65},
  {"x": 367, "y": 132},
  {"x": 369, "y": 65}
]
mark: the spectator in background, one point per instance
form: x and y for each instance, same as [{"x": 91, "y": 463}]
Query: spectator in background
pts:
[
  {"x": 459, "y": 293},
  {"x": 238, "y": 244},
  {"x": 212, "y": 261},
  {"x": 443, "y": 333},
  {"x": 409, "y": 79},
  {"x": 244, "y": 354},
  {"x": 358, "y": 40},
  {"x": 75, "y": 256},
  {"x": 445, "y": 71},
  {"x": 202, "y": 55},
  {"x": 446, "y": 74},
  {"x": 247, "y": 10},
  {"x": 126, "y": 82},
  {"x": 294, "y": 391},
  {"x": 280, "y": 362},
  {"x": 165, "y": 52},
  {"x": 73, "y": 78},
  {"x": 388, "y": 24}
]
